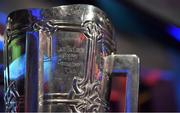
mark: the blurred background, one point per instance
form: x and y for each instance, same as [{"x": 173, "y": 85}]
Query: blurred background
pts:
[{"x": 148, "y": 28}]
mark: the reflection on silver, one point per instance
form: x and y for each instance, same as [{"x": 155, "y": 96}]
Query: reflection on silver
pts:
[
  {"x": 129, "y": 63},
  {"x": 72, "y": 42},
  {"x": 84, "y": 95},
  {"x": 66, "y": 50}
]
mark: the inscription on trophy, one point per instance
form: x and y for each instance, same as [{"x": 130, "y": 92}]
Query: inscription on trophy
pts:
[{"x": 69, "y": 60}]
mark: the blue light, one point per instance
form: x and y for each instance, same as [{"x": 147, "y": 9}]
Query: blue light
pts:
[
  {"x": 1, "y": 46},
  {"x": 36, "y": 13},
  {"x": 14, "y": 71},
  {"x": 119, "y": 71},
  {"x": 47, "y": 68},
  {"x": 3, "y": 17},
  {"x": 174, "y": 59},
  {"x": 174, "y": 32}
]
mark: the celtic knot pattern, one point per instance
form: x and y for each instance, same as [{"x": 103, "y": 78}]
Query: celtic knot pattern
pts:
[
  {"x": 87, "y": 95},
  {"x": 92, "y": 31},
  {"x": 11, "y": 98}
]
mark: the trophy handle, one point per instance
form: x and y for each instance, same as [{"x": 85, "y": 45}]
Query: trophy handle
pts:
[{"x": 128, "y": 64}]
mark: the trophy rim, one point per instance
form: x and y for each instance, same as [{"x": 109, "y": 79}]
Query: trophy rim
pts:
[
  {"x": 60, "y": 6},
  {"x": 75, "y": 14},
  {"x": 72, "y": 10}
]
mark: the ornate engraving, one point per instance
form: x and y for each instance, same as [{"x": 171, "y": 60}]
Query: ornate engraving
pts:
[
  {"x": 11, "y": 98},
  {"x": 92, "y": 30},
  {"x": 84, "y": 95},
  {"x": 87, "y": 89},
  {"x": 88, "y": 95}
]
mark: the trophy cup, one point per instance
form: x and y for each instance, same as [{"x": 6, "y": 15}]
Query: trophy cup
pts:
[{"x": 60, "y": 60}]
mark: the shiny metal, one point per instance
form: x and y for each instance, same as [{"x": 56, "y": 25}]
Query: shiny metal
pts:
[
  {"x": 54, "y": 59},
  {"x": 60, "y": 60},
  {"x": 129, "y": 64}
]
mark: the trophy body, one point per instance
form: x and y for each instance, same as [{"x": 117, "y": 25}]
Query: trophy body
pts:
[{"x": 54, "y": 59}]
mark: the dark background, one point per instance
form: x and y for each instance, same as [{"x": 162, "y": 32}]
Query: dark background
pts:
[{"x": 148, "y": 28}]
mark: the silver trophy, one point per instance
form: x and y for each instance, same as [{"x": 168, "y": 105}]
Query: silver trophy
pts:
[{"x": 60, "y": 60}]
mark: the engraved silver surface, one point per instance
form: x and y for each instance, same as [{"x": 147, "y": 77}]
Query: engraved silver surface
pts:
[
  {"x": 59, "y": 60},
  {"x": 64, "y": 50}
]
